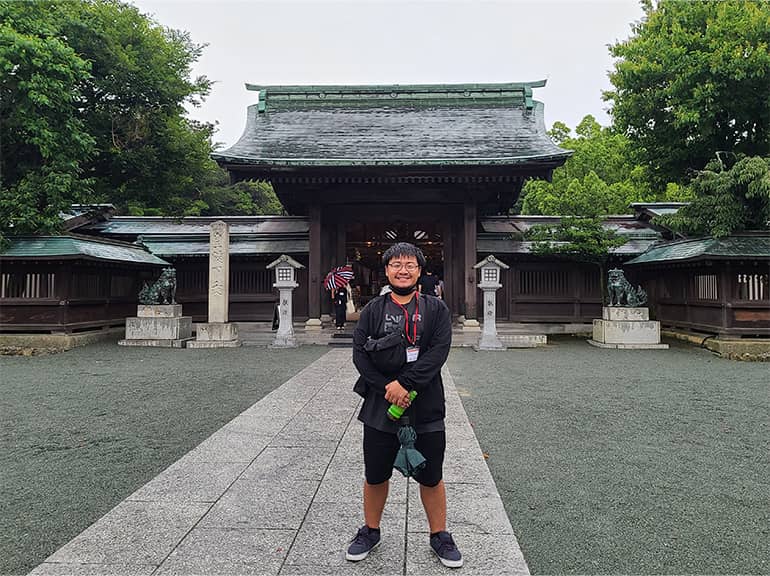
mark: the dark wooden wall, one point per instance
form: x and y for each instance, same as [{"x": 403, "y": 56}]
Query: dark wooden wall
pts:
[
  {"x": 721, "y": 297},
  {"x": 68, "y": 296},
  {"x": 548, "y": 291},
  {"x": 71, "y": 296}
]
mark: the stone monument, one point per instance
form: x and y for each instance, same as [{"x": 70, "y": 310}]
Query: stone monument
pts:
[
  {"x": 285, "y": 274},
  {"x": 159, "y": 320},
  {"x": 218, "y": 332},
  {"x": 626, "y": 321}
]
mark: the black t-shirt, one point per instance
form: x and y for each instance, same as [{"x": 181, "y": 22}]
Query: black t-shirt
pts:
[
  {"x": 394, "y": 318},
  {"x": 428, "y": 284}
]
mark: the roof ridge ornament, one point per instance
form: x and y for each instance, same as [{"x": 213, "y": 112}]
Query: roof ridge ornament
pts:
[{"x": 512, "y": 92}]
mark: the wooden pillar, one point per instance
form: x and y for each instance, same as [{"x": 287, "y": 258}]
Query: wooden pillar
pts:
[
  {"x": 314, "y": 264},
  {"x": 449, "y": 264},
  {"x": 726, "y": 298},
  {"x": 341, "y": 242},
  {"x": 64, "y": 289},
  {"x": 458, "y": 277},
  {"x": 469, "y": 260}
]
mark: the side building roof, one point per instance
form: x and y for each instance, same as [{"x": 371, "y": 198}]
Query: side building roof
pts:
[
  {"x": 419, "y": 126},
  {"x": 72, "y": 247},
  {"x": 740, "y": 247},
  {"x": 175, "y": 237},
  {"x": 500, "y": 234}
]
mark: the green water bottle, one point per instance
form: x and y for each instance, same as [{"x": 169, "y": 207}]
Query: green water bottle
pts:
[{"x": 395, "y": 411}]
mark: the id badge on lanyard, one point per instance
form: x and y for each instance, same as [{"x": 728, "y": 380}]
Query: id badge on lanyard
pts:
[{"x": 412, "y": 351}]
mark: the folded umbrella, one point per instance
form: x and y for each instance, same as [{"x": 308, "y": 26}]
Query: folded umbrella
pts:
[{"x": 408, "y": 460}]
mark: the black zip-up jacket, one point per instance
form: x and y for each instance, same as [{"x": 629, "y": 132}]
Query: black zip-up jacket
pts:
[{"x": 423, "y": 375}]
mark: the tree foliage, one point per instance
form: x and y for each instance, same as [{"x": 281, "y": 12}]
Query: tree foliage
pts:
[
  {"x": 601, "y": 177},
  {"x": 730, "y": 197},
  {"x": 43, "y": 136},
  {"x": 692, "y": 80},
  {"x": 149, "y": 153},
  {"x": 92, "y": 97},
  {"x": 576, "y": 238},
  {"x": 583, "y": 239},
  {"x": 245, "y": 198}
]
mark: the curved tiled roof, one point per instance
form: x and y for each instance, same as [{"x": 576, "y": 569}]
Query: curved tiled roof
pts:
[{"x": 424, "y": 125}]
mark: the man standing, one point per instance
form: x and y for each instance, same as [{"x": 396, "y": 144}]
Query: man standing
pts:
[
  {"x": 426, "y": 324},
  {"x": 428, "y": 283}
]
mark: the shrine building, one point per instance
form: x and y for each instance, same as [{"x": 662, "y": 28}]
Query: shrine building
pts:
[
  {"x": 358, "y": 168},
  {"x": 372, "y": 165}
]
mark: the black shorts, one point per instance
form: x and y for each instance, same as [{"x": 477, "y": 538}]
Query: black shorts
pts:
[{"x": 380, "y": 449}]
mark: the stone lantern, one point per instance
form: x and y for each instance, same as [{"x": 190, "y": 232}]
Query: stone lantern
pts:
[
  {"x": 285, "y": 280},
  {"x": 489, "y": 283}
]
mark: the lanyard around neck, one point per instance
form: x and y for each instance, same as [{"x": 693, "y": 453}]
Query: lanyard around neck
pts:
[{"x": 413, "y": 339}]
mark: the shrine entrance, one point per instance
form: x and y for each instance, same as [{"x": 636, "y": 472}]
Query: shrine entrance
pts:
[{"x": 366, "y": 241}]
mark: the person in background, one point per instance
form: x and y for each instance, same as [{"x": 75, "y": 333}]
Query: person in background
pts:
[
  {"x": 428, "y": 283},
  {"x": 440, "y": 289},
  {"x": 340, "y": 299}
]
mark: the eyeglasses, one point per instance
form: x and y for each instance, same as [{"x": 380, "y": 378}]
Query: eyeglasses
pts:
[{"x": 409, "y": 266}]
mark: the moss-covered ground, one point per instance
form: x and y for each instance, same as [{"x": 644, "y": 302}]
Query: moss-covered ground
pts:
[
  {"x": 83, "y": 429},
  {"x": 626, "y": 461}
]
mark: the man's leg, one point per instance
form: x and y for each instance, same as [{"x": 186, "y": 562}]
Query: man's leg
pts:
[
  {"x": 434, "y": 501},
  {"x": 379, "y": 452},
  {"x": 375, "y": 496}
]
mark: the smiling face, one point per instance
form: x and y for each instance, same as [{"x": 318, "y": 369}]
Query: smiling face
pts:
[{"x": 402, "y": 271}]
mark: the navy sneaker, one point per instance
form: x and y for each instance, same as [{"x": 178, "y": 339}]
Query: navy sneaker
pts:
[
  {"x": 445, "y": 548},
  {"x": 364, "y": 542}
]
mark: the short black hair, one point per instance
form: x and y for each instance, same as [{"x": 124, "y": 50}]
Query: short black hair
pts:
[{"x": 403, "y": 249}]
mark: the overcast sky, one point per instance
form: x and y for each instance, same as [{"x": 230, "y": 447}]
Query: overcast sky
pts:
[{"x": 401, "y": 42}]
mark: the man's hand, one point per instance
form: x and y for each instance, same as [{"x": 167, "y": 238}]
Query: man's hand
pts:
[{"x": 397, "y": 394}]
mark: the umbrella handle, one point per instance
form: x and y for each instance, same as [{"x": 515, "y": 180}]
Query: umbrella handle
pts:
[{"x": 395, "y": 411}]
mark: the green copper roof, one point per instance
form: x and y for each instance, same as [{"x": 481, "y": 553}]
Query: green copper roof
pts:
[
  {"x": 732, "y": 247},
  {"x": 72, "y": 247},
  {"x": 396, "y": 125},
  {"x": 153, "y": 226},
  {"x": 321, "y": 95}
]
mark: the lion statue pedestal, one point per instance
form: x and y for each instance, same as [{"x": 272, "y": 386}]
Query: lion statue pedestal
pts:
[
  {"x": 158, "y": 325},
  {"x": 625, "y": 322},
  {"x": 626, "y": 328},
  {"x": 159, "y": 320}
]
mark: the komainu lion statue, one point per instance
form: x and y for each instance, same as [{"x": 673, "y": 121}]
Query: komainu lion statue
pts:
[
  {"x": 621, "y": 291},
  {"x": 163, "y": 291}
]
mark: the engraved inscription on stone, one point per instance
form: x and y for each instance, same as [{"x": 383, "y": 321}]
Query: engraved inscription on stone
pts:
[{"x": 219, "y": 269}]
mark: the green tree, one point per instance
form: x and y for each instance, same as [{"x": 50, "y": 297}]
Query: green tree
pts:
[
  {"x": 577, "y": 238},
  {"x": 93, "y": 96},
  {"x": 692, "y": 80},
  {"x": 601, "y": 177},
  {"x": 149, "y": 154},
  {"x": 43, "y": 138},
  {"x": 244, "y": 198},
  {"x": 730, "y": 197}
]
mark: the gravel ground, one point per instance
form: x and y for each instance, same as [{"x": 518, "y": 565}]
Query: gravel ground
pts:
[
  {"x": 625, "y": 461},
  {"x": 607, "y": 461},
  {"x": 82, "y": 430}
]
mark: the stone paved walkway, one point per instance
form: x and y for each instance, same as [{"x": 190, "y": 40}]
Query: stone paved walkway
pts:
[{"x": 278, "y": 491}]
